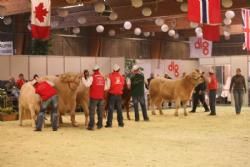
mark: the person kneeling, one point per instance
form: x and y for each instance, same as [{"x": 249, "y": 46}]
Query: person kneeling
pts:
[{"x": 48, "y": 95}]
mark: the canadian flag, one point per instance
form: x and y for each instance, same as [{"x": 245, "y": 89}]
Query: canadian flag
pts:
[{"x": 40, "y": 19}]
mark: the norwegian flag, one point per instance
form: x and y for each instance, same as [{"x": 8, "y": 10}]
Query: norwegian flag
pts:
[{"x": 40, "y": 19}]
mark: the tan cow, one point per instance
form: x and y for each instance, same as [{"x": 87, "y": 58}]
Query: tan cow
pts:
[
  {"x": 173, "y": 90},
  {"x": 29, "y": 103}
]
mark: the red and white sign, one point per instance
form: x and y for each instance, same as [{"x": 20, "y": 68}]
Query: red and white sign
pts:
[
  {"x": 174, "y": 68},
  {"x": 246, "y": 27},
  {"x": 40, "y": 18},
  {"x": 200, "y": 48}
]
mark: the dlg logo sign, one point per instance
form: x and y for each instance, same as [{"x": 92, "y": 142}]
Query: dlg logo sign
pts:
[
  {"x": 174, "y": 68},
  {"x": 202, "y": 44}
]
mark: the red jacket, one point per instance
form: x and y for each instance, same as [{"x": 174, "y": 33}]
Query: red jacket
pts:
[
  {"x": 97, "y": 87},
  {"x": 45, "y": 90},
  {"x": 116, "y": 83},
  {"x": 213, "y": 84}
]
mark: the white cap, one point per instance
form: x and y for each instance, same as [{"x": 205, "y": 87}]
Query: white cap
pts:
[
  {"x": 96, "y": 67},
  {"x": 211, "y": 71},
  {"x": 116, "y": 67},
  {"x": 135, "y": 67}
]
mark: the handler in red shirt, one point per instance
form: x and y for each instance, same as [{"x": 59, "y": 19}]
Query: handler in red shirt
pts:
[
  {"x": 96, "y": 82},
  {"x": 212, "y": 89},
  {"x": 115, "y": 84},
  {"x": 48, "y": 95}
]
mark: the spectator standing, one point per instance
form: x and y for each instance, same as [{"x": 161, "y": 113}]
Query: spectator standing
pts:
[
  {"x": 238, "y": 85},
  {"x": 20, "y": 81}
]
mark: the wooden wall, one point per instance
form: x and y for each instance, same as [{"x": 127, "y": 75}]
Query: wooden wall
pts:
[{"x": 116, "y": 47}]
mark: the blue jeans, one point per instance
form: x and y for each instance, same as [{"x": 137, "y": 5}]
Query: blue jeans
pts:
[
  {"x": 141, "y": 100},
  {"x": 115, "y": 100},
  {"x": 53, "y": 102},
  {"x": 238, "y": 99},
  {"x": 212, "y": 101},
  {"x": 93, "y": 103}
]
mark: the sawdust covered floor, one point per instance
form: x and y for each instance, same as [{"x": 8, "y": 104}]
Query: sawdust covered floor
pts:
[{"x": 194, "y": 141}]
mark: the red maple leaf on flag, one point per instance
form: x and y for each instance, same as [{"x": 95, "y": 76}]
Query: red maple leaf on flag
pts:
[{"x": 40, "y": 12}]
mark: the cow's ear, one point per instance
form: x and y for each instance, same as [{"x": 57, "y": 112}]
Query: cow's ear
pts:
[{"x": 188, "y": 77}]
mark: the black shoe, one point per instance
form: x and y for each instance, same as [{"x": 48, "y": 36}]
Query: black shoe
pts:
[
  {"x": 89, "y": 128},
  {"x": 237, "y": 113},
  {"x": 37, "y": 130},
  {"x": 192, "y": 111},
  {"x": 146, "y": 119},
  {"x": 54, "y": 129},
  {"x": 137, "y": 120},
  {"x": 207, "y": 111},
  {"x": 108, "y": 126},
  {"x": 121, "y": 125},
  {"x": 212, "y": 114},
  {"x": 99, "y": 127}
]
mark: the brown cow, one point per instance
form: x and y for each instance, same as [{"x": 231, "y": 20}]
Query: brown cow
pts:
[
  {"x": 82, "y": 99},
  {"x": 173, "y": 90}
]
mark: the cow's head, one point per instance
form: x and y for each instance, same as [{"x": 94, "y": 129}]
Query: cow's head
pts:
[
  {"x": 72, "y": 79},
  {"x": 195, "y": 77}
]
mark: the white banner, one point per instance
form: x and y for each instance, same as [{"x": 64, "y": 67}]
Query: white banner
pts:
[
  {"x": 6, "y": 48},
  {"x": 200, "y": 48}
]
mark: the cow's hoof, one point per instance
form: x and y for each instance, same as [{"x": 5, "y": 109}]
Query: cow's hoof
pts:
[
  {"x": 153, "y": 113},
  {"x": 75, "y": 124}
]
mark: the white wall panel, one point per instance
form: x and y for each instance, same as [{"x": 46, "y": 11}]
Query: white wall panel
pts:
[
  {"x": 37, "y": 65},
  {"x": 55, "y": 65},
  {"x": 73, "y": 64},
  {"x": 19, "y": 64},
  {"x": 88, "y": 63},
  {"x": 206, "y": 61},
  {"x": 104, "y": 63},
  {"x": 222, "y": 60},
  {"x": 5, "y": 68}
]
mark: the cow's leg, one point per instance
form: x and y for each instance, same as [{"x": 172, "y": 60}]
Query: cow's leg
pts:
[
  {"x": 73, "y": 119},
  {"x": 185, "y": 106},
  {"x": 159, "y": 105},
  {"x": 20, "y": 115},
  {"x": 160, "y": 109},
  {"x": 126, "y": 104},
  {"x": 33, "y": 117},
  {"x": 86, "y": 112},
  {"x": 177, "y": 103},
  {"x": 73, "y": 115}
]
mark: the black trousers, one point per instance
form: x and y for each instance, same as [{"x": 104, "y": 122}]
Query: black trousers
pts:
[
  {"x": 93, "y": 103},
  {"x": 199, "y": 97},
  {"x": 212, "y": 101},
  {"x": 115, "y": 101}
]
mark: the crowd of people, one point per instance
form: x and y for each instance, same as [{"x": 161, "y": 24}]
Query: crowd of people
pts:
[{"x": 114, "y": 84}]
